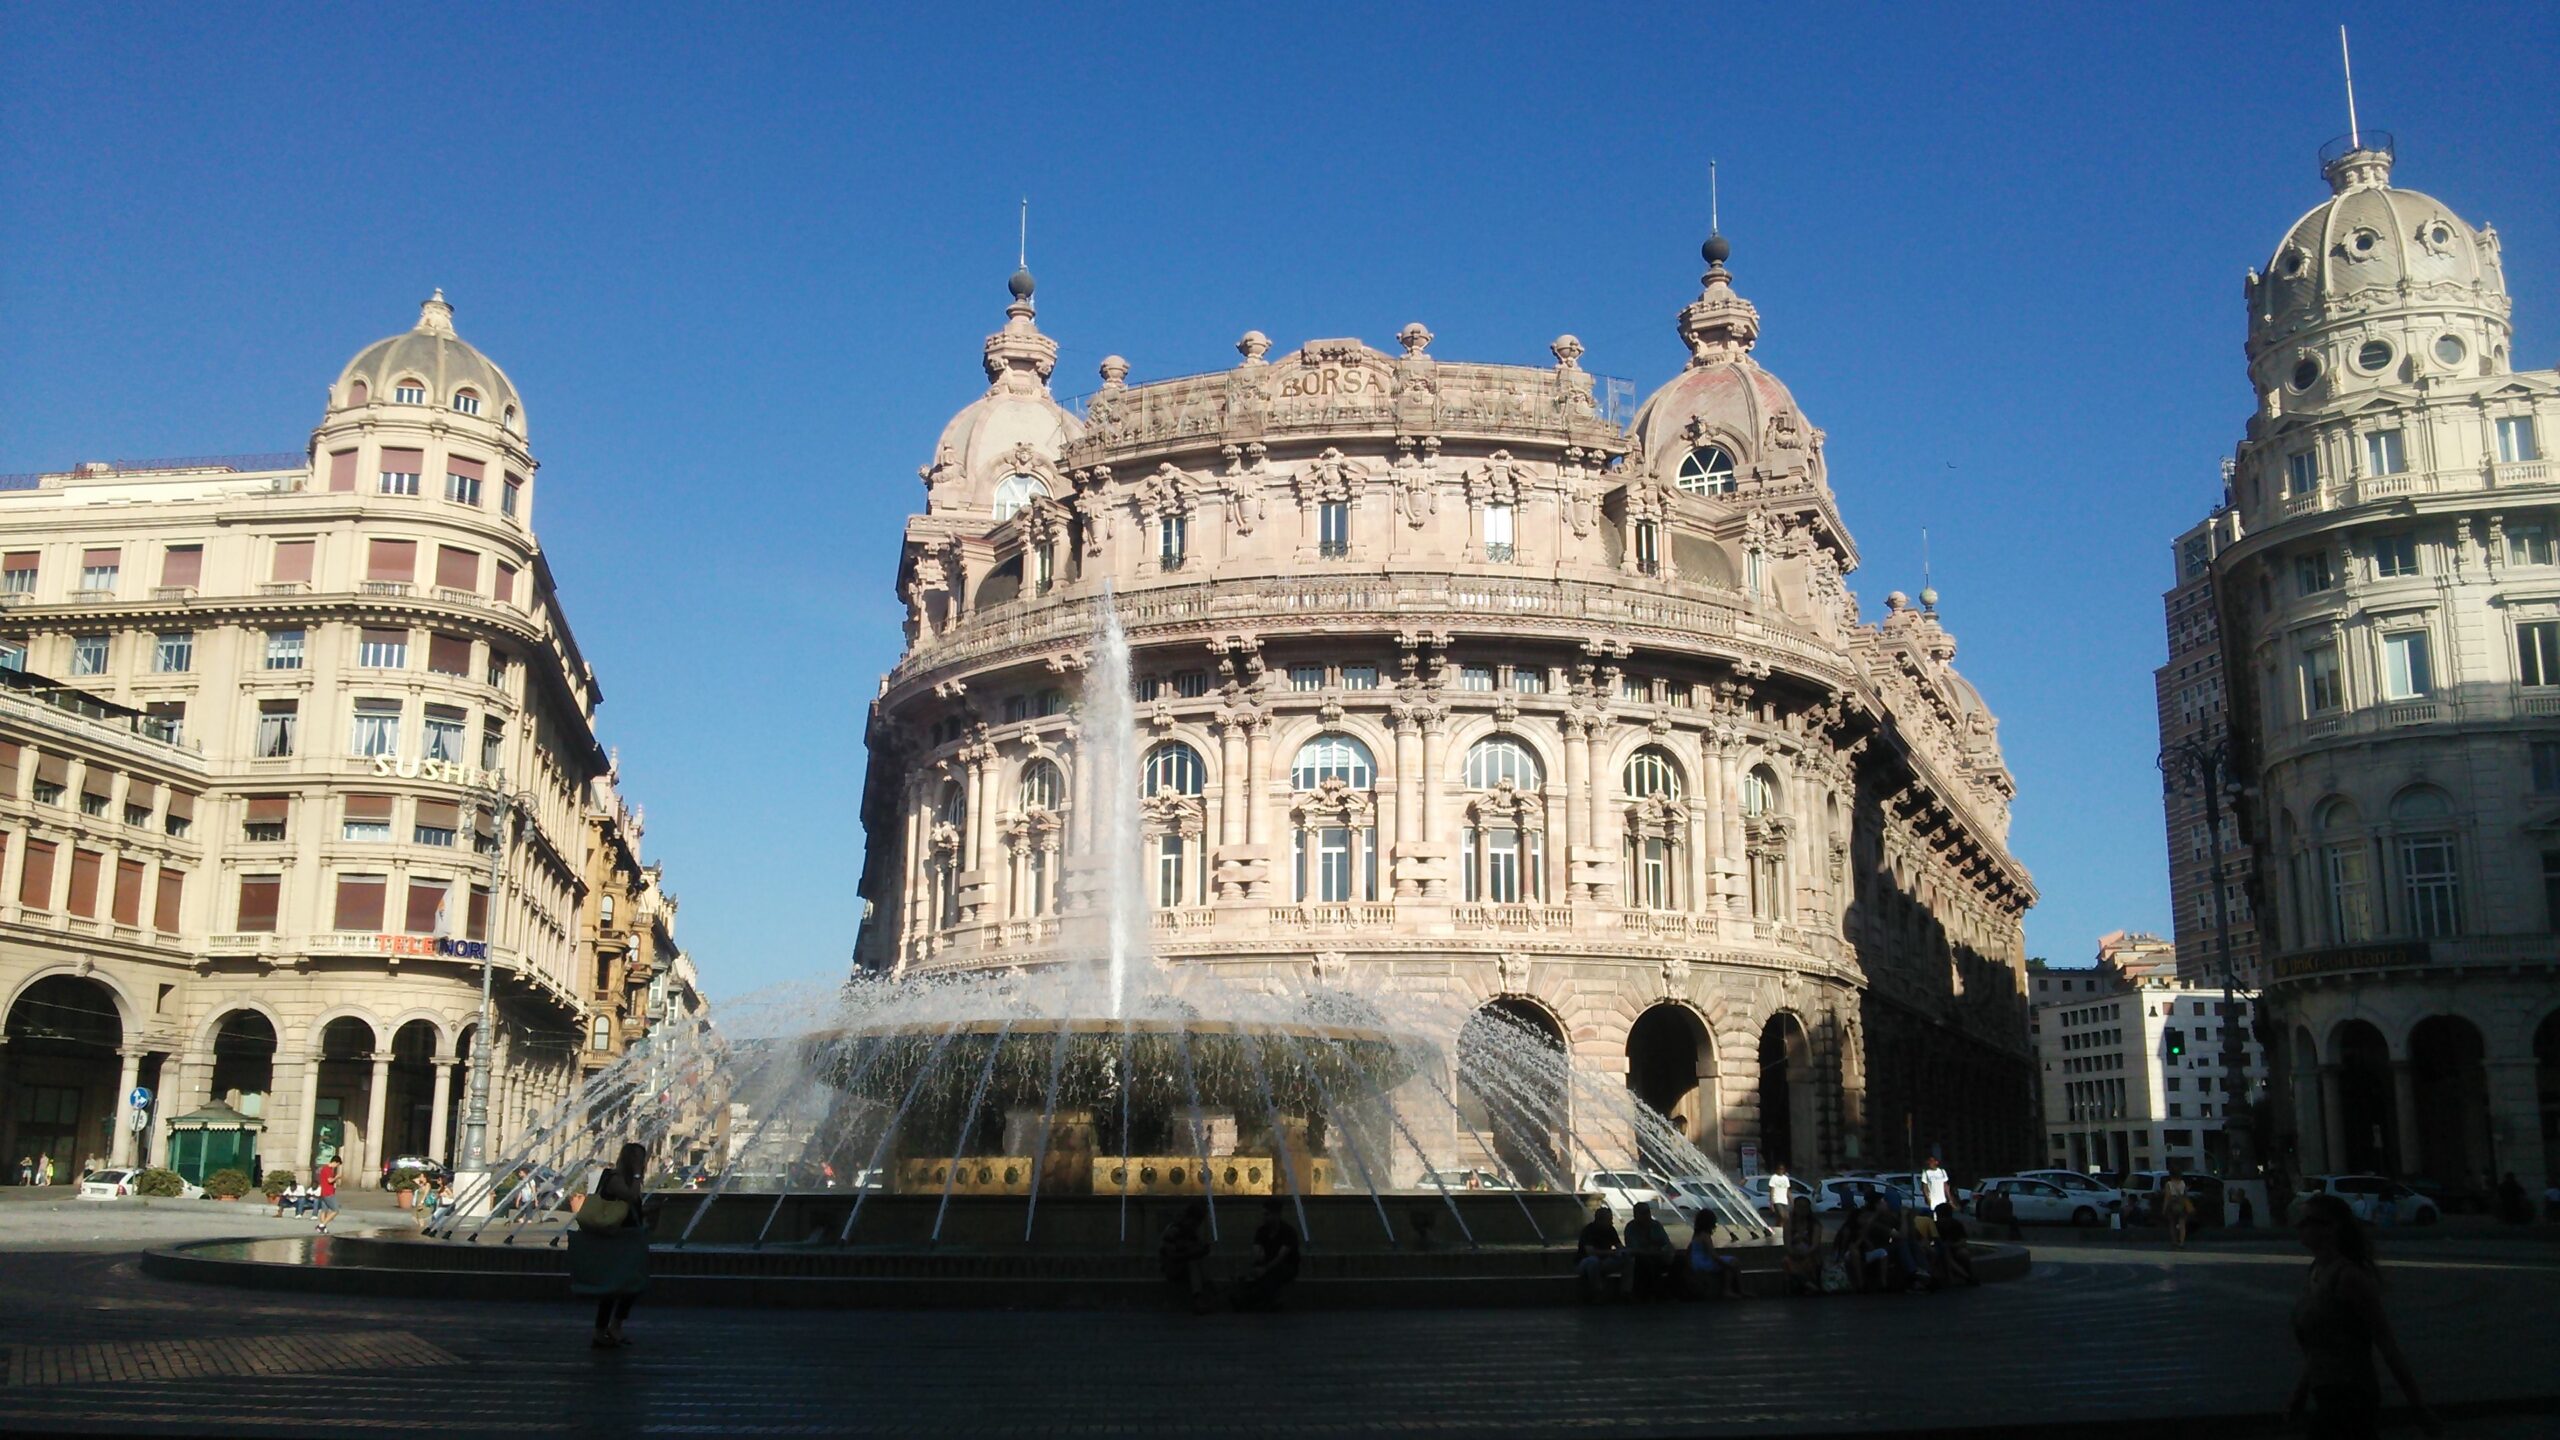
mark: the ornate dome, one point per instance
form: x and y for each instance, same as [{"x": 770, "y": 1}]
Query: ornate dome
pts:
[
  {"x": 1016, "y": 427},
  {"x": 442, "y": 364},
  {"x": 2370, "y": 247},
  {"x": 1724, "y": 402}
]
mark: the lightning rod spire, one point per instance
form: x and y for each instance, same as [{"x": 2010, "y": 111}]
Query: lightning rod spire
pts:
[{"x": 2346, "y": 62}]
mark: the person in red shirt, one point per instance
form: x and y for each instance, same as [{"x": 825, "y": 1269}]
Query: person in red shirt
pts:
[{"x": 328, "y": 1193}]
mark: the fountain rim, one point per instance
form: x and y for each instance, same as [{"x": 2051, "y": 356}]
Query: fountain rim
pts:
[{"x": 1131, "y": 1026}]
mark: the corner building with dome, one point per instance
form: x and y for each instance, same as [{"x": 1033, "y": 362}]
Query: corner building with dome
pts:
[{"x": 1447, "y": 679}]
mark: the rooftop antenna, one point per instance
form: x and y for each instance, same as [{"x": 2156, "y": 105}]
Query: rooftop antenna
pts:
[
  {"x": 1022, "y": 252},
  {"x": 1714, "y": 225},
  {"x": 2346, "y": 62},
  {"x": 1928, "y": 592}
]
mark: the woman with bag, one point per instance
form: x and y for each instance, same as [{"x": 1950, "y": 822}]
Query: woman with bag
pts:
[{"x": 609, "y": 1250}]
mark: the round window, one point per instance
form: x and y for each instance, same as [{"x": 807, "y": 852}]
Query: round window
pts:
[
  {"x": 2307, "y": 373},
  {"x": 2449, "y": 349},
  {"x": 2440, "y": 233},
  {"x": 2373, "y": 355},
  {"x": 2294, "y": 261},
  {"x": 2364, "y": 241}
]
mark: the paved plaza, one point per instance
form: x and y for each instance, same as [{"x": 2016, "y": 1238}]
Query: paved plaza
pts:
[{"x": 2103, "y": 1334}]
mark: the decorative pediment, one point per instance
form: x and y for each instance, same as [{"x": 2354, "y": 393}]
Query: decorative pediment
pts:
[
  {"x": 1507, "y": 807},
  {"x": 1169, "y": 812},
  {"x": 1334, "y": 802},
  {"x": 1169, "y": 491},
  {"x": 1657, "y": 817},
  {"x": 1329, "y": 476}
]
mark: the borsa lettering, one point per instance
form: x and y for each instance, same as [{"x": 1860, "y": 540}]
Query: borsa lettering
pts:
[{"x": 1329, "y": 380}]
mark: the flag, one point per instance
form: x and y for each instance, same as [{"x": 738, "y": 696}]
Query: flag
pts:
[{"x": 444, "y": 914}]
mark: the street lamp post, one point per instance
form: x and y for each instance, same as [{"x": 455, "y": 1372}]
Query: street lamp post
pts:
[
  {"x": 475, "y": 1125},
  {"x": 2205, "y": 760}
]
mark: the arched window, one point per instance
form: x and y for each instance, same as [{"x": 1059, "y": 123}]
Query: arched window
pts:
[
  {"x": 2430, "y": 869},
  {"x": 1334, "y": 841},
  {"x": 2343, "y": 872},
  {"x": 1176, "y": 767},
  {"x": 1041, "y": 786},
  {"x": 1759, "y": 792},
  {"x": 1015, "y": 491},
  {"x": 467, "y": 400},
  {"x": 944, "y": 847},
  {"x": 1502, "y": 848},
  {"x": 1175, "y": 823},
  {"x": 410, "y": 392},
  {"x": 1033, "y": 837},
  {"x": 1333, "y": 757},
  {"x": 358, "y": 392},
  {"x": 1657, "y": 830},
  {"x": 1764, "y": 836},
  {"x": 1707, "y": 470}
]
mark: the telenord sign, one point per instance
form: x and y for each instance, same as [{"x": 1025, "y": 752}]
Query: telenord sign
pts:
[{"x": 432, "y": 945}]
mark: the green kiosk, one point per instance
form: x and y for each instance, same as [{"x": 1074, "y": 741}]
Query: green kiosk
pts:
[{"x": 211, "y": 1140}]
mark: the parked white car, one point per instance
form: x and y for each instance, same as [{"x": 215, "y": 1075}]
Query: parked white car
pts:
[
  {"x": 2376, "y": 1199},
  {"x": 1621, "y": 1189},
  {"x": 107, "y": 1184},
  {"x": 2097, "y": 1192},
  {"x": 1757, "y": 1187},
  {"x": 2035, "y": 1200}
]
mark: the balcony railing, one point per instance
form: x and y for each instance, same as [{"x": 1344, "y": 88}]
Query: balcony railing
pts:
[
  {"x": 1513, "y": 918},
  {"x": 386, "y": 587}
]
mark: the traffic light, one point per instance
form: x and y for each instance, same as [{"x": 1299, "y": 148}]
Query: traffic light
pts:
[{"x": 2173, "y": 1042}]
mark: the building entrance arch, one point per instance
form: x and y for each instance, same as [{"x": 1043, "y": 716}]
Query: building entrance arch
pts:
[
  {"x": 2546, "y": 1089},
  {"x": 65, "y": 1032},
  {"x": 1515, "y": 1087},
  {"x": 409, "y": 1110},
  {"x": 1671, "y": 1066},
  {"x": 1788, "y": 1129},
  {"x": 2366, "y": 1128},
  {"x": 2449, "y": 1090}
]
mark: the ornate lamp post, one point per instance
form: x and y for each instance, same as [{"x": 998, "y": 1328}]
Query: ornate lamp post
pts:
[
  {"x": 2204, "y": 761},
  {"x": 475, "y": 1125}
]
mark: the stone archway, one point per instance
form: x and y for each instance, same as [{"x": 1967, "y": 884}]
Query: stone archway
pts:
[
  {"x": 409, "y": 1109},
  {"x": 340, "y": 1124},
  {"x": 2546, "y": 1089},
  {"x": 1671, "y": 1066},
  {"x": 1527, "y": 1131},
  {"x": 2361, "y": 1119},
  {"x": 2449, "y": 1091},
  {"x": 1789, "y": 1128},
  {"x": 65, "y": 1032}
]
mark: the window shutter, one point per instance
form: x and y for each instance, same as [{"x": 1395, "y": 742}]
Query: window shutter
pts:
[
  {"x": 506, "y": 582},
  {"x": 20, "y": 560},
  {"x": 98, "y": 782},
  {"x": 373, "y": 808},
  {"x": 424, "y": 898},
  {"x": 260, "y": 897},
  {"x": 392, "y": 560},
  {"x": 456, "y": 568},
  {"x": 128, "y": 906},
  {"x": 404, "y": 462},
  {"x": 342, "y": 470},
  {"x": 469, "y": 469},
  {"x": 173, "y": 889},
  {"x": 440, "y": 814},
  {"x": 360, "y": 900},
  {"x": 35, "y": 880},
  {"x": 182, "y": 565},
  {"x": 449, "y": 655},
  {"x": 84, "y": 882},
  {"x": 293, "y": 560},
  {"x": 267, "y": 809},
  {"x": 53, "y": 770},
  {"x": 9, "y": 753},
  {"x": 478, "y": 926},
  {"x": 100, "y": 559},
  {"x": 182, "y": 806}
]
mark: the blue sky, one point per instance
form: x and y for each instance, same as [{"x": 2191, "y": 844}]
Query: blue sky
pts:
[{"x": 740, "y": 261}]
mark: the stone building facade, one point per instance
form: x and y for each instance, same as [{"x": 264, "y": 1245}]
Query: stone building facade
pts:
[
  {"x": 1443, "y": 672},
  {"x": 2130, "y": 1050},
  {"x": 2193, "y": 702},
  {"x": 257, "y": 716},
  {"x": 2390, "y": 611}
]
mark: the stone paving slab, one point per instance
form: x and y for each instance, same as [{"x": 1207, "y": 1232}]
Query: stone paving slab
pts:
[{"x": 2102, "y": 1337}]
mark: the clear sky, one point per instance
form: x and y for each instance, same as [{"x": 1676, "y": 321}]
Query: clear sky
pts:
[{"x": 739, "y": 261}]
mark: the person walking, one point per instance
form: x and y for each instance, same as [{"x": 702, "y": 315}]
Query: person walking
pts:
[
  {"x": 44, "y": 1171},
  {"x": 1782, "y": 1188},
  {"x": 26, "y": 1169},
  {"x": 2176, "y": 1208},
  {"x": 1936, "y": 1190},
  {"x": 2340, "y": 1325},
  {"x": 609, "y": 1253},
  {"x": 327, "y": 1186}
]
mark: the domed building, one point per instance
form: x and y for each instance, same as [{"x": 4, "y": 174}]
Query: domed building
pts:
[
  {"x": 1446, "y": 677},
  {"x": 2389, "y": 604}
]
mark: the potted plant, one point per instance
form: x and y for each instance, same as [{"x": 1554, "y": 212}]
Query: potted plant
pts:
[
  {"x": 227, "y": 1184},
  {"x": 274, "y": 1186},
  {"x": 403, "y": 1185},
  {"x": 159, "y": 1184}
]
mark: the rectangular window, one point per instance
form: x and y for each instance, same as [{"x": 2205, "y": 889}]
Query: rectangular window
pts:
[
  {"x": 261, "y": 896},
  {"x": 83, "y": 900},
  {"x": 448, "y": 655},
  {"x": 462, "y": 480},
  {"x": 1191, "y": 684},
  {"x": 439, "y": 822},
  {"x": 13, "y": 656},
  {"x": 89, "y": 655},
  {"x": 277, "y": 720},
  {"x": 506, "y": 583},
  {"x": 1648, "y": 548},
  {"x": 497, "y": 676},
  {"x": 284, "y": 649},
  {"x": 425, "y": 902},
  {"x": 2383, "y": 454},
  {"x": 511, "y": 499},
  {"x": 383, "y": 650},
  {"x": 1497, "y": 533},
  {"x": 392, "y": 562},
  {"x": 1634, "y": 688},
  {"x": 2301, "y": 473},
  {"x": 367, "y": 819},
  {"x": 291, "y": 564},
  {"x": 493, "y": 744},
  {"x": 1359, "y": 677},
  {"x": 1502, "y": 867},
  {"x": 445, "y": 726},
  {"x": 175, "y": 654},
  {"x": 1173, "y": 540},
  {"x": 99, "y": 570},
  {"x": 2320, "y": 680},
  {"x": 1306, "y": 677},
  {"x": 478, "y": 927},
  {"x": 35, "y": 876},
  {"x": 2312, "y": 572},
  {"x": 1526, "y": 681},
  {"x": 2538, "y": 652},
  {"x": 2545, "y": 760},
  {"x": 182, "y": 567},
  {"x": 2516, "y": 440},
  {"x": 18, "y": 572},
  {"x": 126, "y": 909},
  {"x": 360, "y": 900},
  {"x": 1169, "y": 871},
  {"x": 2529, "y": 545},
  {"x": 173, "y": 893},
  {"x": 2406, "y": 674},
  {"x": 166, "y": 720},
  {"x": 1333, "y": 528},
  {"x": 342, "y": 470},
  {"x": 377, "y": 728},
  {"x": 2395, "y": 556},
  {"x": 262, "y": 820},
  {"x": 400, "y": 471},
  {"x": 2430, "y": 890},
  {"x": 1475, "y": 677},
  {"x": 457, "y": 568}
]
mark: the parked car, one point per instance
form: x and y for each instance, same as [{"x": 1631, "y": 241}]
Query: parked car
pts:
[
  {"x": 1908, "y": 1182},
  {"x": 1621, "y": 1189},
  {"x": 2378, "y": 1199},
  {"x": 2034, "y": 1200},
  {"x": 1689, "y": 1194},
  {"x": 1848, "y": 1192},
  {"x": 1757, "y": 1187},
  {"x": 107, "y": 1184},
  {"x": 432, "y": 1168},
  {"x": 2097, "y": 1191},
  {"x": 2453, "y": 1197},
  {"x": 1469, "y": 1179}
]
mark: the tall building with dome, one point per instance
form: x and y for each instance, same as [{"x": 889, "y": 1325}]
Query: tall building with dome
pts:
[
  {"x": 254, "y": 713},
  {"x": 2388, "y": 586},
  {"x": 1446, "y": 677}
]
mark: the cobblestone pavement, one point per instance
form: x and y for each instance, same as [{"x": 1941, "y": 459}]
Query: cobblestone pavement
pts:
[
  {"x": 48, "y": 1218},
  {"x": 2101, "y": 1336}
]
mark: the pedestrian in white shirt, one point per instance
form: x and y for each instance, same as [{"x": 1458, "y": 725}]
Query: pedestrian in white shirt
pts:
[
  {"x": 1781, "y": 1188},
  {"x": 1934, "y": 1190}
]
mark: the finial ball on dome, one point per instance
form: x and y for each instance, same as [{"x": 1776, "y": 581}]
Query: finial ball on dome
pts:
[
  {"x": 1020, "y": 284},
  {"x": 1717, "y": 250}
]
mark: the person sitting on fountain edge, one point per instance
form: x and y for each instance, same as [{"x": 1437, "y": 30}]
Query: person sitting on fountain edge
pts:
[
  {"x": 1275, "y": 1259},
  {"x": 1712, "y": 1273},
  {"x": 1184, "y": 1254},
  {"x": 1599, "y": 1256},
  {"x": 1650, "y": 1253}
]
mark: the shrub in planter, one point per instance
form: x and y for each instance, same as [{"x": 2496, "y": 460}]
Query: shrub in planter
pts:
[
  {"x": 227, "y": 1184},
  {"x": 164, "y": 1184},
  {"x": 278, "y": 1182},
  {"x": 404, "y": 1178}
]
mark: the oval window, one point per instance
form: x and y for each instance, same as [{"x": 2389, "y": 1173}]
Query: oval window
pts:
[
  {"x": 2449, "y": 349},
  {"x": 2307, "y": 373},
  {"x": 2373, "y": 355}
]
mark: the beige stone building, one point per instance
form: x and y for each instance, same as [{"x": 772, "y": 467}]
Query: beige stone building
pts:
[
  {"x": 637, "y": 975},
  {"x": 253, "y": 864},
  {"x": 1447, "y": 671},
  {"x": 2390, "y": 616}
]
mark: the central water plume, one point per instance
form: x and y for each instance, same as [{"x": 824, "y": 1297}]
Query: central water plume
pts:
[{"x": 1112, "y": 784}]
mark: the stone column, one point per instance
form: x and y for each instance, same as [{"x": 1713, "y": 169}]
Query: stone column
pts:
[
  {"x": 1715, "y": 798},
  {"x": 437, "y": 1114},
  {"x": 1598, "y": 784},
  {"x": 911, "y": 891},
  {"x": 306, "y": 1121},
  {"x": 1568, "y": 806},
  {"x": 1408, "y": 800},
  {"x": 2333, "y": 1116},
  {"x": 128, "y": 1075},
  {"x": 969, "y": 846},
  {"x": 377, "y": 1100},
  {"x": 1434, "y": 845},
  {"x": 1235, "y": 783},
  {"x": 2404, "y": 1139}
]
